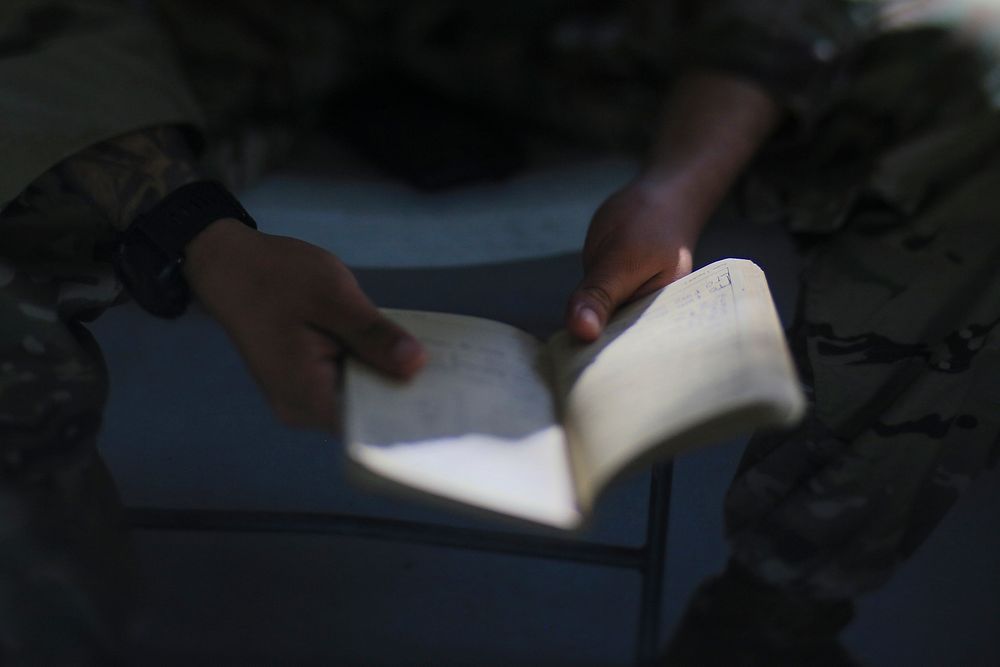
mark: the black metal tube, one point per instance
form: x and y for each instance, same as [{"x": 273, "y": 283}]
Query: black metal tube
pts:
[
  {"x": 654, "y": 563},
  {"x": 241, "y": 521}
]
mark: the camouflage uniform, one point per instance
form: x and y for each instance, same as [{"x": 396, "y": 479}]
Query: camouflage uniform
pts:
[
  {"x": 896, "y": 337},
  {"x": 66, "y": 567}
]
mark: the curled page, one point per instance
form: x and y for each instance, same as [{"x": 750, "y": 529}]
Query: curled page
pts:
[{"x": 477, "y": 425}]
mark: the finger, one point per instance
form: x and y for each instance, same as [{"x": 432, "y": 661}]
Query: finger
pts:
[
  {"x": 297, "y": 372},
  {"x": 374, "y": 338},
  {"x": 608, "y": 282},
  {"x": 322, "y": 384},
  {"x": 313, "y": 400},
  {"x": 659, "y": 280}
]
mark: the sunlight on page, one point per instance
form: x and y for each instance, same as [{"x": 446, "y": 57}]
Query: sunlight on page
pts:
[
  {"x": 477, "y": 424},
  {"x": 527, "y": 478}
]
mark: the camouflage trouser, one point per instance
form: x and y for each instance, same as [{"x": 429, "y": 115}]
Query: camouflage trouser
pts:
[
  {"x": 898, "y": 335},
  {"x": 66, "y": 570},
  {"x": 897, "y": 338}
]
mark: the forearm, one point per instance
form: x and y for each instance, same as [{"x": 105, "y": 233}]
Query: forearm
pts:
[{"x": 712, "y": 126}]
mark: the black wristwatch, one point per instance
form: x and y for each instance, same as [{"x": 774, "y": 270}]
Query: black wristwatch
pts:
[{"x": 148, "y": 255}]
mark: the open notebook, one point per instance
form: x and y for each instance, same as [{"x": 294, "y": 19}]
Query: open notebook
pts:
[{"x": 505, "y": 422}]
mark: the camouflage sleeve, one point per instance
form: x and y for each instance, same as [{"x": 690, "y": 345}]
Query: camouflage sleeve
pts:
[
  {"x": 74, "y": 73},
  {"x": 794, "y": 48}
]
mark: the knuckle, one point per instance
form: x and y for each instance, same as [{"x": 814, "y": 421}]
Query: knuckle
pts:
[
  {"x": 343, "y": 301},
  {"x": 630, "y": 265},
  {"x": 331, "y": 265},
  {"x": 685, "y": 263},
  {"x": 599, "y": 293}
]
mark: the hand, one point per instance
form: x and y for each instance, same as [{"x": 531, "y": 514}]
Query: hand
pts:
[
  {"x": 640, "y": 239},
  {"x": 293, "y": 309},
  {"x": 643, "y": 237}
]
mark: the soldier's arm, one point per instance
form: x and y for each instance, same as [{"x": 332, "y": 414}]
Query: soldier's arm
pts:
[
  {"x": 643, "y": 237},
  {"x": 751, "y": 63},
  {"x": 74, "y": 75},
  {"x": 96, "y": 112},
  {"x": 291, "y": 308},
  {"x": 125, "y": 176}
]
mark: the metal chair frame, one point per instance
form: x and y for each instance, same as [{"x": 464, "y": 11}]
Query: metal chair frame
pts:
[{"x": 649, "y": 559}]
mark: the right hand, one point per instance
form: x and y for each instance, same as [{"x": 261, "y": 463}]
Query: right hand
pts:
[
  {"x": 640, "y": 239},
  {"x": 643, "y": 237},
  {"x": 293, "y": 310}
]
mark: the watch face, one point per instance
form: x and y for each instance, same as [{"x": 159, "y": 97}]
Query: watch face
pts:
[
  {"x": 150, "y": 276},
  {"x": 150, "y": 252}
]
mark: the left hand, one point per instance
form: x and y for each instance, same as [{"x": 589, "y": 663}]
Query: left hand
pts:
[
  {"x": 640, "y": 239},
  {"x": 293, "y": 310}
]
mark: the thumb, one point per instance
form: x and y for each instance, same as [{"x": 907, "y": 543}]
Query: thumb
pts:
[
  {"x": 372, "y": 336},
  {"x": 604, "y": 287},
  {"x": 385, "y": 345}
]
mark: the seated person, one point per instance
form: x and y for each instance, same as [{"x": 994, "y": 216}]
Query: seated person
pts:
[{"x": 111, "y": 114}]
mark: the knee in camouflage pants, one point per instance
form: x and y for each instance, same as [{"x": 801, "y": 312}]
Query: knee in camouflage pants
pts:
[
  {"x": 898, "y": 341},
  {"x": 65, "y": 562}
]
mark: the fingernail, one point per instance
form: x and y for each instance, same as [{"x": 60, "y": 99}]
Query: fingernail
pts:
[
  {"x": 588, "y": 316},
  {"x": 405, "y": 350}
]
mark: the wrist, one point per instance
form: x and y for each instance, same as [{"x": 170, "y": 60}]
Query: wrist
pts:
[
  {"x": 211, "y": 248},
  {"x": 712, "y": 126},
  {"x": 675, "y": 197}
]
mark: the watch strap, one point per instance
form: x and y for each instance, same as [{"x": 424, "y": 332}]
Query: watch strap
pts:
[
  {"x": 148, "y": 255},
  {"x": 185, "y": 213}
]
